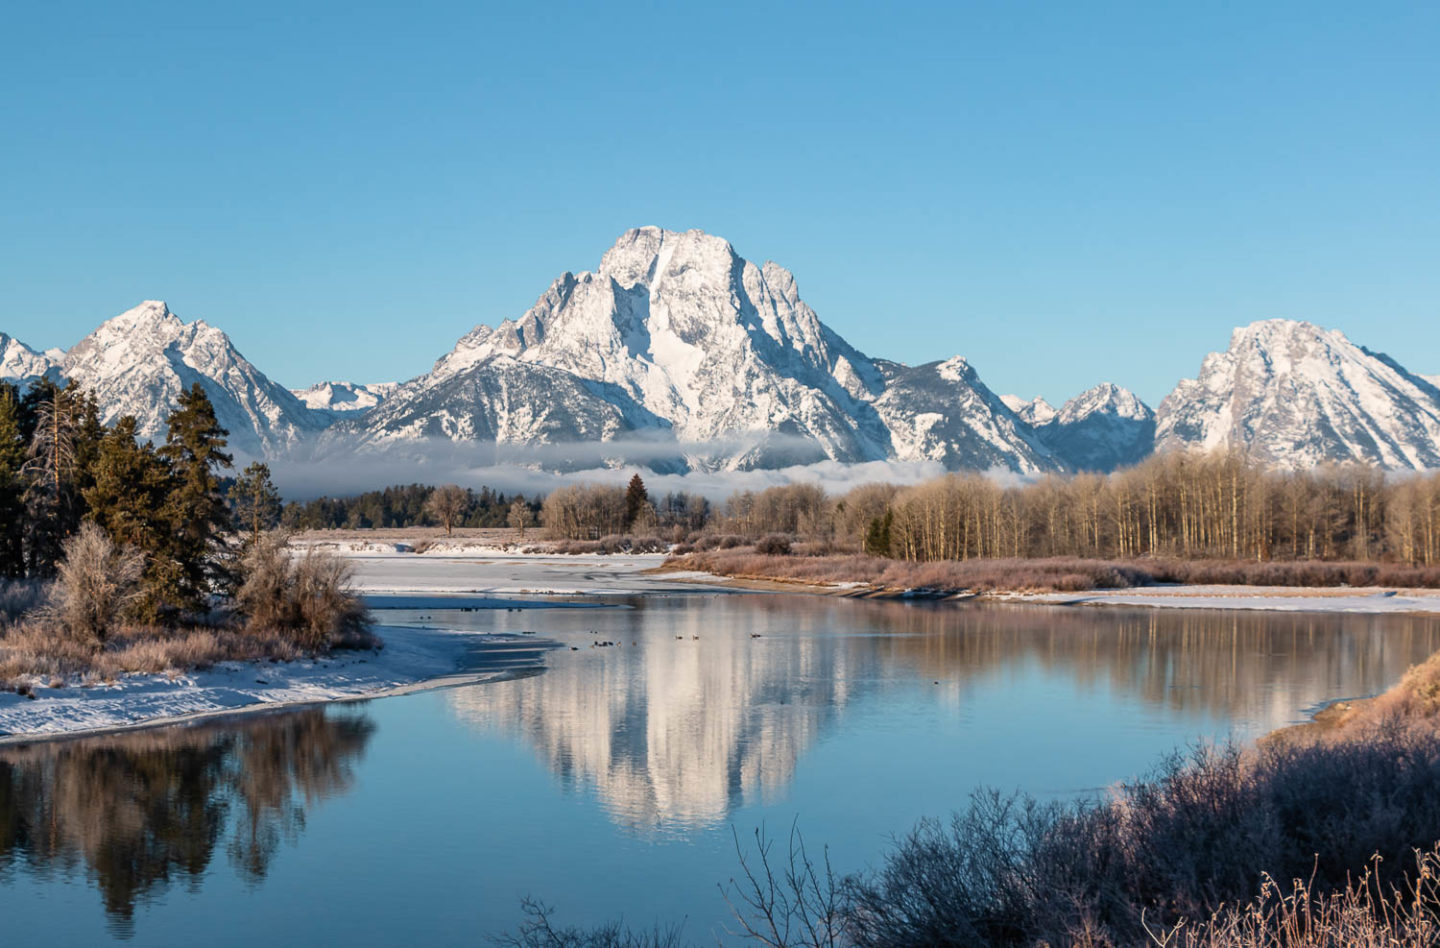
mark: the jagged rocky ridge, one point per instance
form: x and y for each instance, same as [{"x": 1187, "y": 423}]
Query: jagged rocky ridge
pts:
[
  {"x": 1101, "y": 429},
  {"x": 675, "y": 340},
  {"x": 139, "y": 362},
  {"x": 19, "y": 364},
  {"x": 338, "y": 399},
  {"x": 1296, "y": 396},
  {"x": 679, "y": 354}
]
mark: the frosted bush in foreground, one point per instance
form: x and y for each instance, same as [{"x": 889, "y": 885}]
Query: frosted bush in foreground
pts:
[
  {"x": 97, "y": 582},
  {"x": 309, "y": 599}
]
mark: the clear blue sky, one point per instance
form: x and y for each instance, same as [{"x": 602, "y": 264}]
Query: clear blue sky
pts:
[{"x": 1062, "y": 192}]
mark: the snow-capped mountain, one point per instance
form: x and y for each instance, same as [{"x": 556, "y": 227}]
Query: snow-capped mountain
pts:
[
  {"x": 942, "y": 412},
  {"x": 677, "y": 337},
  {"x": 1035, "y": 412},
  {"x": 139, "y": 362},
  {"x": 1100, "y": 429},
  {"x": 1296, "y": 395},
  {"x": 678, "y": 353},
  {"x": 20, "y": 364},
  {"x": 339, "y": 399}
]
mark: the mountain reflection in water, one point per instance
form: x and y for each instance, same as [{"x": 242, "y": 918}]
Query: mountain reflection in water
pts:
[
  {"x": 702, "y": 717},
  {"x": 138, "y": 811}
]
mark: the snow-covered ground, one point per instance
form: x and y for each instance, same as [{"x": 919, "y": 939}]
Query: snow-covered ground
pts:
[
  {"x": 1270, "y": 598},
  {"x": 426, "y": 657},
  {"x": 499, "y": 573},
  {"x": 412, "y": 657}
]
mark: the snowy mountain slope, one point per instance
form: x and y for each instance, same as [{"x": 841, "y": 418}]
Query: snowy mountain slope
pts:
[
  {"x": 1037, "y": 411},
  {"x": 942, "y": 412},
  {"x": 340, "y": 399},
  {"x": 1100, "y": 429},
  {"x": 1432, "y": 379},
  {"x": 139, "y": 362},
  {"x": 1297, "y": 395},
  {"x": 20, "y": 365},
  {"x": 702, "y": 346},
  {"x": 503, "y": 401}
]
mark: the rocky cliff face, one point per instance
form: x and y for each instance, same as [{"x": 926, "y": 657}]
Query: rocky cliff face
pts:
[
  {"x": 139, "y": 362},
  {"x": 678, "y": 353},
  {"x": 676, "y": 336},
  {"x": 20, "y": 365},
  {"x": 1296, "y": 395}
]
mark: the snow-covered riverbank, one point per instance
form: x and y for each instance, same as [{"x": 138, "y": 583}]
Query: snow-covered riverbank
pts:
[
  {"x": 412, "y": 658},
  {"x": 1363, "y": 600},
  {"x": 416, "y": 658}
]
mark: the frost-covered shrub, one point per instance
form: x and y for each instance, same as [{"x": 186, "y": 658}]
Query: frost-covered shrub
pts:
[
  {"x": 774, "y": 544},
  {"x": 308, "y": 600},
  {"x": 97, "y": 582}
]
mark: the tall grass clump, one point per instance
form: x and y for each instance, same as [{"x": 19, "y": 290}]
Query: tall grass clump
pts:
[
  {"x": 96, "y": 582},
  {"x": 308, "y": 598}
]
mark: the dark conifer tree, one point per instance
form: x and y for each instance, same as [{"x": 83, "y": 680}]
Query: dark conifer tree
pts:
[
  {"x": 130, "y": 490},
  {"x": 129, "y": 497},
  {"x": 636, "y": 497},
  {"x": 257, "y": 502},
  {"x": 50, "y": 472},
  {"x": 199, "y": 517},
  {"x": 12, "y": 488}
]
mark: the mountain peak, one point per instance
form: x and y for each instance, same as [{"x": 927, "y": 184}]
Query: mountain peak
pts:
[
  {"x": 1034, "y": 412},
  {"x": 139, "y": 362},
  {"x": 676, "y": 335},
  {"x": 1109, "y": 398},
  {"x": 1297, "y": 395},
  {"x": 149, "y": 313},
  {"x": 646, "y": 255},
  {"x": 21, "y": 364}
]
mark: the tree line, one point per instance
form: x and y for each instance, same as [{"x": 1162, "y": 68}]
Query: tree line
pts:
[
  {"x": 596, "y": 511},
  {"x": 411, "y": 505},
  {"x": 1190, "y": 505},
  {"x": 172, "y": 503},
  {"x": 1182, "y": 504}
]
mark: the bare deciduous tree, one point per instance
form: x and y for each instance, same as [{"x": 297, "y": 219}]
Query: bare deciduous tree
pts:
[
  {"x": 447, "y": 504},
  {"x": 97, "y": 581}
]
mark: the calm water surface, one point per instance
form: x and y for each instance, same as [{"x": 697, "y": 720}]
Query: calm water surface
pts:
[{"x": 608, "y": 780}]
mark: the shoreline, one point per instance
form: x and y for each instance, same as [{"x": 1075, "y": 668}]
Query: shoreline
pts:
[
  {"x": 417, "y": 659},
  {"x": 437, "y": 683},
  {"x": 1364, "y": 600},
  {"x": 413, "y": 659}
]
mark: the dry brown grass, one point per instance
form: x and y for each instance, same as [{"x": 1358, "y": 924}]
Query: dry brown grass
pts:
[
  {"x": 1057, "y": 574},
  {"x": 290, "y": 608},
  {"x": 1327, "y": 837},
  {"x": 1364, "y": 914},
  {"x": 610, "y": 545},
  {"x": 35, "y": 654}
]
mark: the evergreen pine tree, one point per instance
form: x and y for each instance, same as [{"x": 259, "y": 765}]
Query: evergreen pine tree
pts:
[
  {"x": 89, "y": 433},
  {"x": 877, "y": 537},
  {"x": 257, "y": 502},
  {"x": 636, "y": 497},
  {"x": 196, "y": 509},
  {"x": 49, "y": 472},
  {"x": 128, "y": 499},
  {"x": 12, "y": 507}
]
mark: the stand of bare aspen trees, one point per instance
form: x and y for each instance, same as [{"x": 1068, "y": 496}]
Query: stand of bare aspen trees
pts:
[{"x": 1182, "y": 504}]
